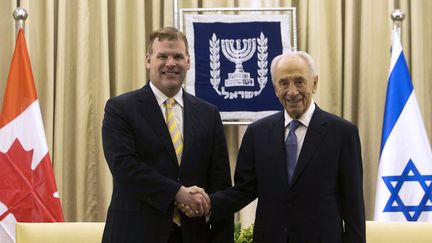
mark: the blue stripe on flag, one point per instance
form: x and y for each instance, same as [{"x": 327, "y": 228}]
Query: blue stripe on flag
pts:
[{"x": 398, "y": 91}]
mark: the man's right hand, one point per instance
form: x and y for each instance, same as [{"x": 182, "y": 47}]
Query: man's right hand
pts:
[{"x": 193, "y": 201}]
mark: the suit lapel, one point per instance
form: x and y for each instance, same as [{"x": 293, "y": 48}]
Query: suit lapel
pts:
[
  {"x": 314, "y": 136},
  {"x": 153, "y": 115},
  {"x": 190, "y": 114},
  {"x": 277, "y": 145}
]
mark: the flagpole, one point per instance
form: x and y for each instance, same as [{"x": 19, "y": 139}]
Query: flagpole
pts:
[
  {"x": 20, "y": 15},
  {"x": 398, "y": 15}
]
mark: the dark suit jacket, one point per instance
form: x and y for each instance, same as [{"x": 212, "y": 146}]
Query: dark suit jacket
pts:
[
  {"x": 146, "y": 176},
  {"x": 325, "y": 200}
]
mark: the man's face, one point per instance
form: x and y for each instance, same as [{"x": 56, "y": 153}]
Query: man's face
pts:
[
  {"x": 294, "y": 85},
  {"x": 168, "y": 65}
]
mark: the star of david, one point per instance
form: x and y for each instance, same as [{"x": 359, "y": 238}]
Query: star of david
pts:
[{"x": 394, "y": 184}]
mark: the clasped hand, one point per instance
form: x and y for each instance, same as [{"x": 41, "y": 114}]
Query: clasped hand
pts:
[{"x": 193, "y": 201}]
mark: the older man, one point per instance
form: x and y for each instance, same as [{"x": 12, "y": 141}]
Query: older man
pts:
[{"x": 303, "y": 164}]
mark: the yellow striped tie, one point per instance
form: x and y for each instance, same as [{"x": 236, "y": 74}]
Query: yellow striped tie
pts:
[
  {"x": 177, "y": 140},
  {"x": 174, "y": 130}
]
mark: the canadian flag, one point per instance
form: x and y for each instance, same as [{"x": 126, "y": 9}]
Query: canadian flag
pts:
[{"x": 28, "y": 191}]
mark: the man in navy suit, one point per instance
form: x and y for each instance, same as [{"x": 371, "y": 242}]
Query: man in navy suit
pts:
[
  {"x": 154, "y": 164},
  {"x": 311, "y": 194}
]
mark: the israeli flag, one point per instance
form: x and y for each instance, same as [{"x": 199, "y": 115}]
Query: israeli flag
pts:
[{"x": 404, "y": 188}]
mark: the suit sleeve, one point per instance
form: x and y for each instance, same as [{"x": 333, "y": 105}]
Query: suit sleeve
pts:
[
  {"x": 141, "y": 181},
  {"x": 245, "y": 190},
  {"x": 220, "y": 179},
  {"x": 351, "y": 176}
]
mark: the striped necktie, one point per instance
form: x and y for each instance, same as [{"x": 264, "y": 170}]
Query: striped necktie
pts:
[
  {"x": 174, "y": 130},
  {"x": 177, "y": 141}
]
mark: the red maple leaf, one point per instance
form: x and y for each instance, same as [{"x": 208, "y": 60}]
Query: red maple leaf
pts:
[{"x": 28, "y": 194}]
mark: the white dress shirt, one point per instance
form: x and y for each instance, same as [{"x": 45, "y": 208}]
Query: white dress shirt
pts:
[
  {"x": 304, "y": 124},
  {"x": 177, "y": 106}
]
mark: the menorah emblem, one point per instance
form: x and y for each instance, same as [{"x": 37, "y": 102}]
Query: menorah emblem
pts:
[{"x": 238, "y": 55}]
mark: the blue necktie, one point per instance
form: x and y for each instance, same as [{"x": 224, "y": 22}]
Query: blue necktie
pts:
[{"x": 291, "y": 148}]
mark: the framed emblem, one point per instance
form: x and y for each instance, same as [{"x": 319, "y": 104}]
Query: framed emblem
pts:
[{"x": 231, "y": 56}]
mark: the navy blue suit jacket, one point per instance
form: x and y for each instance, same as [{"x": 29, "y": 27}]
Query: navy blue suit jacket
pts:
[
  {"x": 324, "y": 202},
  {"x": 146, "y": 176}
]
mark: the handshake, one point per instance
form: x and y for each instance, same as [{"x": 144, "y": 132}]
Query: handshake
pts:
[{"x": 193, "y": 201}]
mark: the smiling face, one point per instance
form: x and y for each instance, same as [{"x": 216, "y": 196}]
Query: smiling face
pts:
[
  {"x": 294, "y": 84},
  {"x": 168, "y": 63}
]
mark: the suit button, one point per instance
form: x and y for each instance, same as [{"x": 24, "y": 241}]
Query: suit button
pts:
[
  {"x": 290, "y": 205},
  {"x": 285, "y": 230}
]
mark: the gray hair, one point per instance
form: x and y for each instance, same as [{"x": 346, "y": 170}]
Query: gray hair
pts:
[{"x": 302, "y": 54}]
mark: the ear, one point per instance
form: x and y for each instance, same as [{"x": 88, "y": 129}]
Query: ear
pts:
[
  {"x": 188, "y": 62},
  {"x": 274, "y": 87},
  {"x": 148, "y": 57},
  {"x": 315, "y": 84}
]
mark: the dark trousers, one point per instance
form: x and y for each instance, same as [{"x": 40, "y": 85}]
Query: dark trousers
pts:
[{"x": 175, "y": 234}]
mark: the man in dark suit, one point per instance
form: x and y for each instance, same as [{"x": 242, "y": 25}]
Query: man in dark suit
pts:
[
  {"x": 303, "y": 164},
  {"x": 154, "y": 163}
]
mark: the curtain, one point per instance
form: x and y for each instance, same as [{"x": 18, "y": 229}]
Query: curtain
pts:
[{"x": 84, "y": 52}]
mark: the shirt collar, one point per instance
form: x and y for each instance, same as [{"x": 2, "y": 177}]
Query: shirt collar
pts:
[
  {"x": 161, "y": 97},
  {"x": 304, "y": 119}
]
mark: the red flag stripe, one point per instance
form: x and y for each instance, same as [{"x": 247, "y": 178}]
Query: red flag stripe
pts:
[{"x": 20, "y": 83}]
